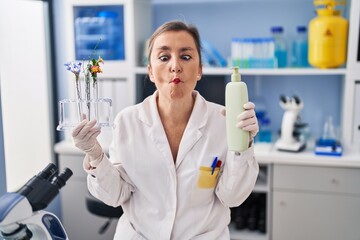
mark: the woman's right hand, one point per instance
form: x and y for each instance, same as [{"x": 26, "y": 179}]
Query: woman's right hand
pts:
[{"x": 84, "y": 136}]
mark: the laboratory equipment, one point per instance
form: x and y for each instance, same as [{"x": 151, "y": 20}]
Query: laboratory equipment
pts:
[
  {"x": 236, "y": 95},
  {"x": 253, "y": 52},
  {"x": 280, "y": 46},
  {"x": 300, "y": 48},
  {"x": 264, "y": 134},
  {"x": 87, "y": 102},
  {"x": 327, "y": 35},
  {"x": 287, "y": 140},
  {"x": 211, "y": 56},
  {"x": 328, "y": 143},
  {"x": 21, "y": 213},
  {"x": 99, "y": 109}
]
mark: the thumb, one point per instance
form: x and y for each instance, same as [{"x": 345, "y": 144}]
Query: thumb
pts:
[
  {"x": 83, "y": 116},
  {"x": 223, "y": 112}
]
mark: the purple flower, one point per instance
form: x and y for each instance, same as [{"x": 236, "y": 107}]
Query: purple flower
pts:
[{"x": 74, "y": 67}]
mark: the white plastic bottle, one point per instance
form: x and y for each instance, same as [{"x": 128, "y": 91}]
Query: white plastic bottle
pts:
[{"x": 236, "y": 95}]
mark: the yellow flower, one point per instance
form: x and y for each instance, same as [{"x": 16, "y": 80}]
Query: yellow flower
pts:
[
  {"x": 95, "y": 69},
  {"x": 100, "y": 60}
]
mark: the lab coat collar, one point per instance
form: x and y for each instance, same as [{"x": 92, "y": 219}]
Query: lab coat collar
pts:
[{"x": 149, "y": 115}]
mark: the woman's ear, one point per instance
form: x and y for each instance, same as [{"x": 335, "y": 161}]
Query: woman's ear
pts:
[
  {"x": 151, "y": 76},
  {"x": 198, "y": 77}
]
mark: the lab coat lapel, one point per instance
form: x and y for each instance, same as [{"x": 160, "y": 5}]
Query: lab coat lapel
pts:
[
  {"x": 193, "y": 131},
  {"x": 149, "y": 115}
]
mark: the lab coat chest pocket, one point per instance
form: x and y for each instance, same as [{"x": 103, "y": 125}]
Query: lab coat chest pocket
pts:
[{"x": 203, "y": 191}]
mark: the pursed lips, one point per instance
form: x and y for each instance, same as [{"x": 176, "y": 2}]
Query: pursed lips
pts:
[{"x": 176, "y": 81}]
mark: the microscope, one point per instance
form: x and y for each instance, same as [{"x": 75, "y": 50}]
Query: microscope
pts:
[
  {"x": 21, "y": 214},
  {"x": 290, "y": 139}
]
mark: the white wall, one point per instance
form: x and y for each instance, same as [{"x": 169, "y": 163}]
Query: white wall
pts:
[
  {"x": 24, "y": 80},
  {"x": 2, "y": 159}
]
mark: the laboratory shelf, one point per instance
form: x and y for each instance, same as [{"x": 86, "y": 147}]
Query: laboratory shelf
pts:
[
  {"x": 208, "y": 1},
  {"x": 265, "y": 71},
  {"x": 261, "y": 187},
  {"x": 246, "y": 234}
]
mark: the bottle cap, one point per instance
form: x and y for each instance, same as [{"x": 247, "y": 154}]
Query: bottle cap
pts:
[
  {"x": 265, "y": 121},
  {"x": 277, "y": 29},
  {"x": 235, "y": 76},
  {"x": 301, "y": 29}
]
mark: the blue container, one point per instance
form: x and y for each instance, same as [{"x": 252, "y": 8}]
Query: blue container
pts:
[
  {"x": 99, "y": 31},
  {"x": 300, "y": 48},
  {"x": 264, "y": 134},
  {"x": 280, "y": 46}
]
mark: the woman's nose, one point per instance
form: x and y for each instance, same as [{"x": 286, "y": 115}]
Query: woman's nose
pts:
[{"x": 176, "y": 67}]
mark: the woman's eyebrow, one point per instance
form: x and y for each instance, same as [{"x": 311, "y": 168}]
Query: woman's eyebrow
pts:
[
  {"x": 164, "y": 48},
  {"x": 184, "y": 49},
  {"x": 167, "y": 48}
]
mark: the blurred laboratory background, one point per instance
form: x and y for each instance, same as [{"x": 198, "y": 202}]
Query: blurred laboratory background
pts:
[{"x": 300, "y": 60}]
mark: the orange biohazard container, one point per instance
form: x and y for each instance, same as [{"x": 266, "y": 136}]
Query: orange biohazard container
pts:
[{"x": 327, "y": 36}]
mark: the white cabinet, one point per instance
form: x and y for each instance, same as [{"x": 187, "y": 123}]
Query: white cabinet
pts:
[
  {"x": 350, "y": 103},
  {"x": 260, "y": 199},
  {"x": 306, "y": 215},
  {"x": 356, "y": 126},
  {"x": 315, "y": 203},
  {"x": 78, "y": 222}
]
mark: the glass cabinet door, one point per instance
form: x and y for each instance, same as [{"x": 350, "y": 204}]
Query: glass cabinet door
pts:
[{"x": 99, "y": 31}]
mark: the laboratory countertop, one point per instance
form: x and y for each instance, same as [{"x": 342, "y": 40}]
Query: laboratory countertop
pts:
[{"x": 267, "y": 154}]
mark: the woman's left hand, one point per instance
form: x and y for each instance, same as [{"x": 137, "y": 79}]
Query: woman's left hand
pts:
[{"x": 247, "y": 120}]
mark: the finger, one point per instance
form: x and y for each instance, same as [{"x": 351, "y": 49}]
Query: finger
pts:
[
  {"x": 85, "y": 130},
  {"x": 246, "y": 114},
  {"x": 246, "y": 122},
  {"x": 95, "y": 134},
  {"x": 254, "y": 133},
  {"x": 90, "y": 140},
  {"x": 249, "y": 105},
  {"x": 78, "y": 128},
  {"x": 91, "y": 133},
  {"x": 223, "y": 111},
  {"x": 83, "y": 116},
  {"x": 251, "y": 128}
]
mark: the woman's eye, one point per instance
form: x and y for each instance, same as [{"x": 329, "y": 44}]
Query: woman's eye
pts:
[
  {"x": 163, "y": 58},
  {"x": 186, "y": 57}
]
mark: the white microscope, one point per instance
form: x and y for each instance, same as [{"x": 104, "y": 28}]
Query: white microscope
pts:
[
  {"x": 21, "y": 214},
  {"x": 287, "y": 141}
]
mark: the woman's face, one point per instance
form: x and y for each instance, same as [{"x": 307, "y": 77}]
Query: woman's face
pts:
[{"x": 174, "y": 65}]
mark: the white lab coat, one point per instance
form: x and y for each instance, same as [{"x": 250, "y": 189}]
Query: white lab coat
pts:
[{"x": 162, "y": 200}]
